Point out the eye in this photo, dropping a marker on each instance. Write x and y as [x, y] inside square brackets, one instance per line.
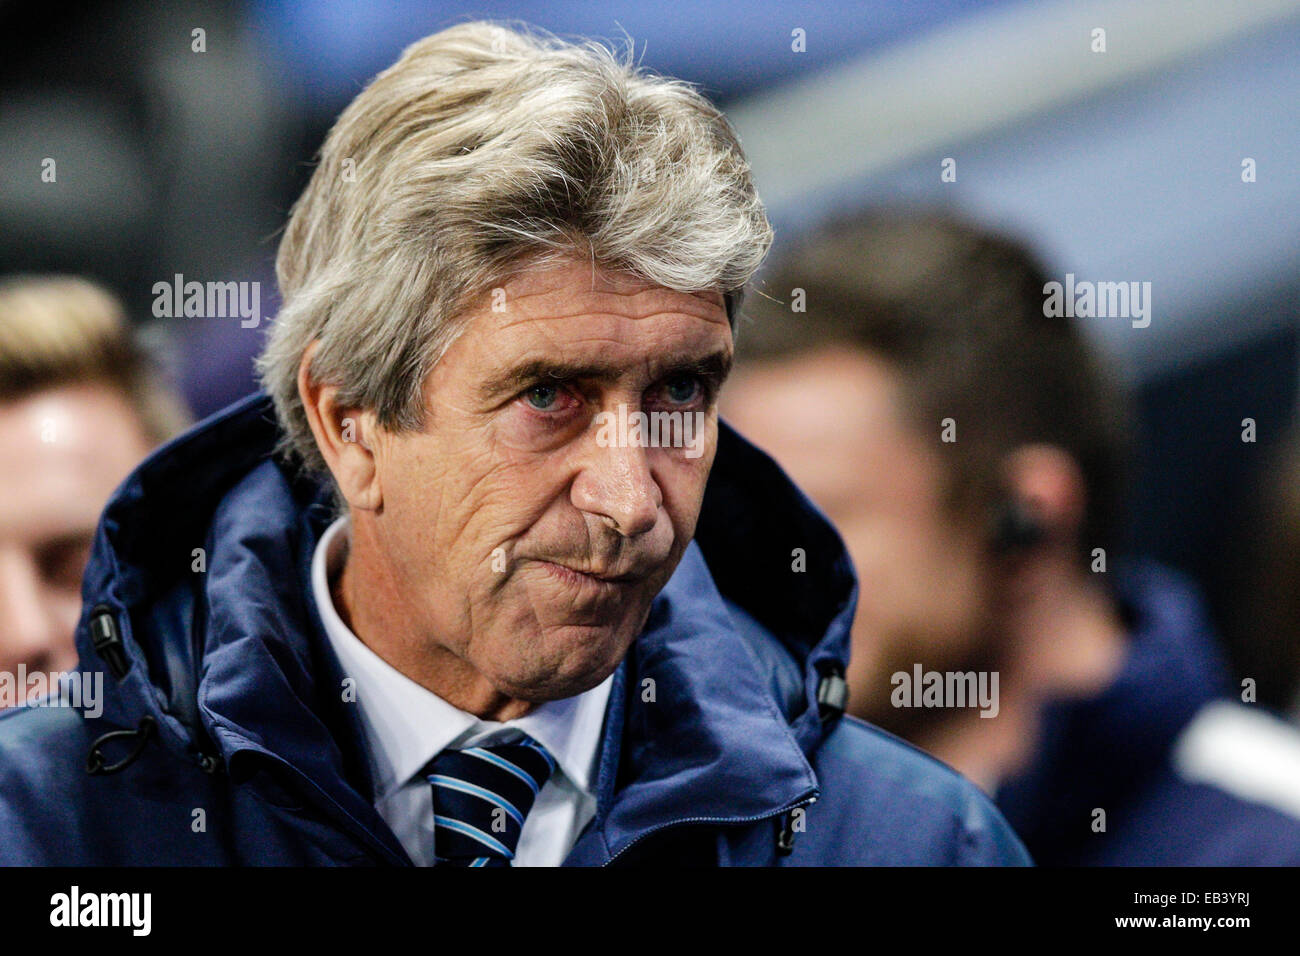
[682, 389]
[542, 397]
[62, 562]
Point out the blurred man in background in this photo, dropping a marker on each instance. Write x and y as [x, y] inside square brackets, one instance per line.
[79, 407]
[971, 450]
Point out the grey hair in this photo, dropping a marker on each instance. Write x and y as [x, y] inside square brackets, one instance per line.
[482, 151]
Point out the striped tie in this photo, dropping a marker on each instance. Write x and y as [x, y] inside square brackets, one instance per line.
[480, 798]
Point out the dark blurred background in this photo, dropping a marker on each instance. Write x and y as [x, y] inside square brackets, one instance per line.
[1116, 166]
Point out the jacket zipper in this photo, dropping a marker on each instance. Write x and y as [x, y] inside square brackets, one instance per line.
[808, 798]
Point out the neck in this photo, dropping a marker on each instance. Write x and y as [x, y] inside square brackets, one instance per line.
[1066, 641]
[984, 750]
[369, 602]
[1068, 636]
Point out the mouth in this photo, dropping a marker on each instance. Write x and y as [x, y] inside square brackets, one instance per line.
[591, 578]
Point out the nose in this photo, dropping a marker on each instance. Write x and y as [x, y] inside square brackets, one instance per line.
[29, 632]
[617, 485]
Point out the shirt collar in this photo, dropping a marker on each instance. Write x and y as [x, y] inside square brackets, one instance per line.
[407, 725]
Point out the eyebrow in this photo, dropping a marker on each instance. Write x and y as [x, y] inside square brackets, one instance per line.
[713, 368]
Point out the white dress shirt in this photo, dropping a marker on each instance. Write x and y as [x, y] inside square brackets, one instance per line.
[407, 725]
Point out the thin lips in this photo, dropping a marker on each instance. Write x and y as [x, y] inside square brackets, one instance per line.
[625, 578]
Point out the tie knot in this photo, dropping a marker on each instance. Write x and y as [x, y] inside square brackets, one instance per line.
[481, 796]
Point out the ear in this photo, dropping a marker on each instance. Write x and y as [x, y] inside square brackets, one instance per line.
[345, 436]
[1047, 482]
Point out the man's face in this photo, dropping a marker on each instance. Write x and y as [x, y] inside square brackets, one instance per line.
[831, 419]
[524, 542]
[65, 450]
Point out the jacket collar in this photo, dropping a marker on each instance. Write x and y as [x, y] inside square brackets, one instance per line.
[271, 686]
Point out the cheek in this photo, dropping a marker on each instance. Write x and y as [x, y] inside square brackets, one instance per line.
[67, 610]
[449, 498]
[885, 555]
[682, 481]
[951, 570]
[911, 568]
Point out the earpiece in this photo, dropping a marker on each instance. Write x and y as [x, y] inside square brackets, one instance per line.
[1016, 528]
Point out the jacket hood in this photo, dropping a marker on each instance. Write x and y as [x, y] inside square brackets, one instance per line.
[200, 576]
[1094, 752]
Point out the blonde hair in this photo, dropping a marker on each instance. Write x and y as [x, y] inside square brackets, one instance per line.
[482, 151]
[63, 330]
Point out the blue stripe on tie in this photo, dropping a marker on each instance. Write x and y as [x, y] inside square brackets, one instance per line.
[504, 764]
[474, 833]
[452, 783]
[532, 744]
[480, 861]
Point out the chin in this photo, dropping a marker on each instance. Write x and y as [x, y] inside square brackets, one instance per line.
[567, 660]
